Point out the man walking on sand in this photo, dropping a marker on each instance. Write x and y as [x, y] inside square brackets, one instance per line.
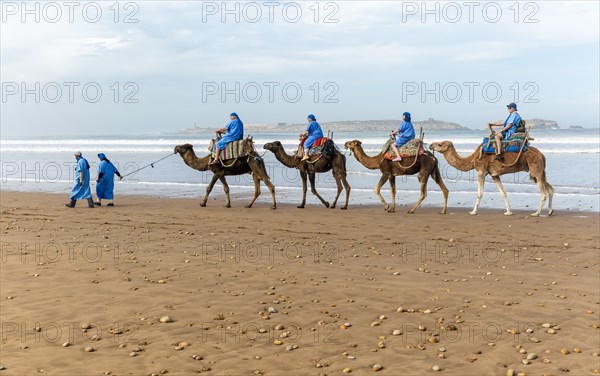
[81, 187]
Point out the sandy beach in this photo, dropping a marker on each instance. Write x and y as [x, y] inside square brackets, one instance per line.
[163, 286]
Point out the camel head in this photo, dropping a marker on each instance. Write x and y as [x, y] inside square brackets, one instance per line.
[441, 147]
[352, 144]
[182, 149]
[273, 146]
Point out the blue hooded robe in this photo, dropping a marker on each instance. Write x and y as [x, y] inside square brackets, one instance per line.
[81, 192]
[314, 133]
[235, 132]
[407, 131]
[106, 184]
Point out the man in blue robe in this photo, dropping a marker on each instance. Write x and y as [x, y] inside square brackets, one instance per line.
[508, 128]
[405, 132]
[313, 133]
[105, 183]
[234, 131]
[81, 186]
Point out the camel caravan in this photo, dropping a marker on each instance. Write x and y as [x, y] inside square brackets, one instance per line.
[503, 152]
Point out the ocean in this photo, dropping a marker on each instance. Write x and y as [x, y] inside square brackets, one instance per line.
[47, 165]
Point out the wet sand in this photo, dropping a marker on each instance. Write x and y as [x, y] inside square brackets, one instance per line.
[294, 292]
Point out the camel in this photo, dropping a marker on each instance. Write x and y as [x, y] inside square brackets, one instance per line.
[426, 165]
[531, 160]
[312, 166]
[243, 165]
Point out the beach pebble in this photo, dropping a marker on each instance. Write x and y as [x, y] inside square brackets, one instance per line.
[347, 370]
[86, 326]
[272, 310]
[382, 317]
[2, 368]
[510, 372]
[89, 349]
[436, 368]
[166, 319]
[526, 361]
[377, 367]
[396, 332]
[442, 349]
[133, 353]
[564, 351]
[577, 350]
[66, 344]
[531, 356]
[277, 342]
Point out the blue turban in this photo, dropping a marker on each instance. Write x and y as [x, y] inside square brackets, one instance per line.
[407, 116]
[101, 156]
[233, 114]
[311, 117]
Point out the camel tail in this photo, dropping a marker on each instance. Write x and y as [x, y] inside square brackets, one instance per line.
[436, 174]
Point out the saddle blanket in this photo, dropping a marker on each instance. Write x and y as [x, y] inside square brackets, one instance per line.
[511, 144]
[410, 149]
[315, 149]
[232, 150]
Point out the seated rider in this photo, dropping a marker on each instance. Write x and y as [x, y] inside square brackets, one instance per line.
[234, 131]
[508, 128]
[405, 132]
[313, 133]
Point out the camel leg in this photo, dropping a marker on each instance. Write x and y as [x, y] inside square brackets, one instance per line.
[256, 189]
[423, 178]
[445, 191]
[546, 190]
[550, 190]
[380, 184]
[210, 187]
[303, 177]
[311, 178]
[498, 182]
[480, 184]
[226, 190]
[338, 183]
[271, 187]
[392, 180]
[347, 188]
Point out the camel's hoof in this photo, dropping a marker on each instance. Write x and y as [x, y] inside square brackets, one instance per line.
[411, 212]
[535, 215]
[227, 206]
[273, 207]
[343, 207]
[203, 204]
[390, 210]
[300, 206]
[332, 207]
[247, 206]
[386, 207]
[472, 213]
[326, 204]
[443, 212]
[508, 213]
[550, 212]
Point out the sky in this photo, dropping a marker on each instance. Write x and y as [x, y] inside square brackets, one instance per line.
[141, 67]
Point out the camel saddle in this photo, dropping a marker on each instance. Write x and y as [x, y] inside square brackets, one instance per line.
[316, 148]
[410, 149]
[510, 144]
[232, 150]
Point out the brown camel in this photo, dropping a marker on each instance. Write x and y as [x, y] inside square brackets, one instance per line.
[243, 165]
[531, 160]
[312, 166]
[426, 165]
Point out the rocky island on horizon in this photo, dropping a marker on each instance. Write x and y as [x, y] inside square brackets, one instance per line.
[365, 125]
